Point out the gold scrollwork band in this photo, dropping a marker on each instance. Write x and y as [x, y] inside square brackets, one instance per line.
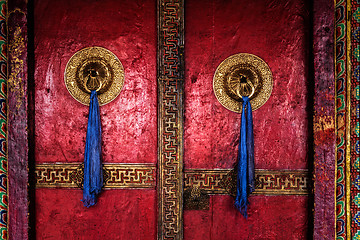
[71, 175]
[218, 181]
[268, 182]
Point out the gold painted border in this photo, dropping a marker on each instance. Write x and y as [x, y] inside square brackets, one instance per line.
[142, 176]
[170, 75]
[116, 176]
[273, 182]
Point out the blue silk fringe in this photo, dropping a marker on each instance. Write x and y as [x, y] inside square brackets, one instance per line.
[245, 167]
[93, 176]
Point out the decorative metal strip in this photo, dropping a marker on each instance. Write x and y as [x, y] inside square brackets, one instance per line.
[170, 118]
[3, 123]
[268, 182]
[289, 182]
[115, 175]
[211, 181]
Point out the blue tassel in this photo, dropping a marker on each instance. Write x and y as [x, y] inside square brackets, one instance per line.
[93, 176]
[245, 168]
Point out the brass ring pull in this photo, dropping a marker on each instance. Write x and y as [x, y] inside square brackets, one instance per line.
[239, 69]
[98, 89]
[90, 66]
[252, 90]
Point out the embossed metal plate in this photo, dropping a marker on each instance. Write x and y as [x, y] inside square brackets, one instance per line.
[94, 68]
[236, 76]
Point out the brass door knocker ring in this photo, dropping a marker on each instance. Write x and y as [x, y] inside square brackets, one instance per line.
[93, 80]
[241, 75]
[97, 90]
[252, 90]
[94, 69]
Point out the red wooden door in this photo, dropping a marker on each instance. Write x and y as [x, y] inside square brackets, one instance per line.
[279, 33]
[129, 126]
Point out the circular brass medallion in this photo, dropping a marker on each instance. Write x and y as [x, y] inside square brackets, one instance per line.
[240, 75]
[94, 68]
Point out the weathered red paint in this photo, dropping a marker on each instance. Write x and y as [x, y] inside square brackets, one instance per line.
[129, 126]
[119, 214]
[324, 120]
[279, 33]
[269, 218]
[18, 148]
[128, 29]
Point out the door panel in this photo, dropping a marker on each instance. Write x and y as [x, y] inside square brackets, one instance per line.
[278, 32]
[275, 31]
[279, 35]
[129, 126]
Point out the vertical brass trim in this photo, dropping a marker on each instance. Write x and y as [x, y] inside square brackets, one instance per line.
[170, 74]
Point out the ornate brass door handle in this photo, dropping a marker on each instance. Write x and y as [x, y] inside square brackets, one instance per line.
[239, 89]
[241, 75]
[94, 68]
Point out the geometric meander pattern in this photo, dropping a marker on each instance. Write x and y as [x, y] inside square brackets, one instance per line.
[170, 104]
[210, 181]
[354, 118]
[3, 123]
[115, 175]
[268, 182]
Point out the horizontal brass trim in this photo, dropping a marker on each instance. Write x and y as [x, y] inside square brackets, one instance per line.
[115, 175]
[210, 181]
[267, 182]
